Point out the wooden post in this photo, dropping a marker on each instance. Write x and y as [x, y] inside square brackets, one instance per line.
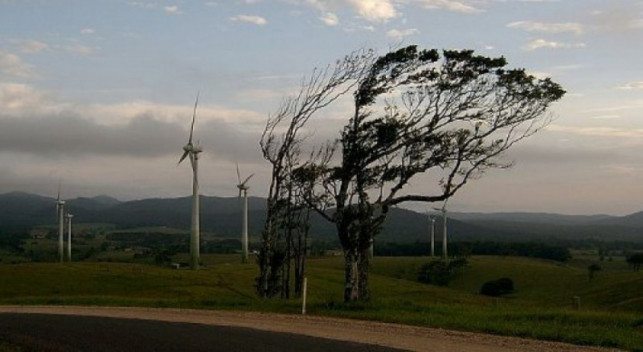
[303, 296]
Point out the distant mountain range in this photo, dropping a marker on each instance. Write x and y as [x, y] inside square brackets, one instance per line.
[222, 217]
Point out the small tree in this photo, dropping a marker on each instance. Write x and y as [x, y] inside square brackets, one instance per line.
[592, 269]
[281, 145]
[635, 261]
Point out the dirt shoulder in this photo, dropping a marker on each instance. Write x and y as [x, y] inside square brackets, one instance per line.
[392, 335]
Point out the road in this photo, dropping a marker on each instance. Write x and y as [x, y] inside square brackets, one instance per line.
[53, 333]
[58, 328]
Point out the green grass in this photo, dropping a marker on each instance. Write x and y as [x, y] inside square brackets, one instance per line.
[611, 312]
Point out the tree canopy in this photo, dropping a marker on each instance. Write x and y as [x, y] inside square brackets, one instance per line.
[449, 114]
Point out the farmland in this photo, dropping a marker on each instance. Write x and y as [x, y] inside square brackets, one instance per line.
[541, 306]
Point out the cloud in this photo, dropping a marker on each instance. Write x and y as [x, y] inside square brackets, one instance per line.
[374, 10]
[168, 9]
[143, 4]
[258, 20]
[87, 31]
[16, 99]
[609, 132]
[12, 65]
[542, 27]
[172, 10]
[616, 17]
[79, 49]
[370, 10]
[606, 117]
[69, 134]
[449, 5]
[329, 19]
[30, 46]
[542, 43]
[401, 33]
[632, 86]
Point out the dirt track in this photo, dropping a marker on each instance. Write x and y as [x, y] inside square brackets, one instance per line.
[382, 334]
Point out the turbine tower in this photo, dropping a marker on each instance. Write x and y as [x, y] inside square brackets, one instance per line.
[432, 219]
[69, 217]
[60, 210]
[243, 188]
[193, 151]
[443, 210]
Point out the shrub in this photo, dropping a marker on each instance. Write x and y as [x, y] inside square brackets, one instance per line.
[439, 272]
[498, 287]
[436, 272]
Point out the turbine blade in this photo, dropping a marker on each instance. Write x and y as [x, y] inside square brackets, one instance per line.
[183, 156]
[238, 174]
[196, 102]
[246, 180]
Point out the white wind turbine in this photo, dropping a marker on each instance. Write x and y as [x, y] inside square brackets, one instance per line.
[193, 151]
[69, 217]
[432, 221]
[243, 188]
[60, 210]
[443, 210]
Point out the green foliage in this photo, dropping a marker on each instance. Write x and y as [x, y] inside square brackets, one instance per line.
[635, 261]
[13, 241]
[440, 272]
[525, 249]
[497, 287]
[435, 273]
[592, 269]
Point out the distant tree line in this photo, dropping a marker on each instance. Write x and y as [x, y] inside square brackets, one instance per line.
[466, 248]
[635, 261]
[13, 241]
[601, 245]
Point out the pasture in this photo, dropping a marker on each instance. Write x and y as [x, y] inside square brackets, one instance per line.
[611, 312]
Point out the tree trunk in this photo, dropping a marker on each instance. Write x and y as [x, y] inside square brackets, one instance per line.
[363, 266]
[351, 276]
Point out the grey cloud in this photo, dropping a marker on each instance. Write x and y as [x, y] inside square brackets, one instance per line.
[560, 154]
[69, 134]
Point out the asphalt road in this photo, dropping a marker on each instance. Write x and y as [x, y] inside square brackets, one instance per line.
[54, 333]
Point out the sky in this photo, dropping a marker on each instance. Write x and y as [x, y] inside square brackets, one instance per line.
[99, 94]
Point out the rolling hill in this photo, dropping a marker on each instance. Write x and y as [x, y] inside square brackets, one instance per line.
[222, 217]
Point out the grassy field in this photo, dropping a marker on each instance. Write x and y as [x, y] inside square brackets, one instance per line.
[541, 307]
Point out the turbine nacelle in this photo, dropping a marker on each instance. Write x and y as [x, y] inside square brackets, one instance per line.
[191, 148]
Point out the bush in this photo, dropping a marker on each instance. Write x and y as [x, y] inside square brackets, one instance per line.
[439, 272]
[435, 273]
[498, 287]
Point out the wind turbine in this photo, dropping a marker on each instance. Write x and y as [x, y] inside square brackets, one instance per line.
[69, 217]
[443, 210]
[432, 220]
[243, 188]
[60, 209]
[193, 151]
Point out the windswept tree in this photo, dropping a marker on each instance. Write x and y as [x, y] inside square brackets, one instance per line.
[448, 115]
[281, 145]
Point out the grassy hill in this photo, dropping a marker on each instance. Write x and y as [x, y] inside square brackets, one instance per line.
[541, 306]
